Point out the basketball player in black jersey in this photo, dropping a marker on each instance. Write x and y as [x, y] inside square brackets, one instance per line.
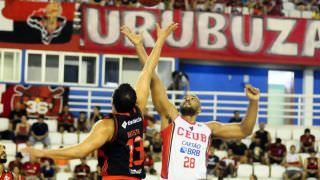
[119, 136]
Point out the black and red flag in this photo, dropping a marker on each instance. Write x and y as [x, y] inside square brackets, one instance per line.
[36, 22]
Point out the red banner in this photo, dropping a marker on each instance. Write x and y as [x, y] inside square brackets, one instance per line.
[36, 99]
[207, 36]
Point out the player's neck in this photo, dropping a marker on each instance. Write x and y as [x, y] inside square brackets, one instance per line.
[190, 119]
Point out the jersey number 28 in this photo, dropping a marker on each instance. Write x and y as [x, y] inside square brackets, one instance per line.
[189, 162]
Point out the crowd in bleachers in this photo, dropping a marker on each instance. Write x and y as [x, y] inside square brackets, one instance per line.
[282, 152]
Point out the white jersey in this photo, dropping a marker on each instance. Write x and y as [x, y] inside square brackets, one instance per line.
[292, 159]
[185, 150]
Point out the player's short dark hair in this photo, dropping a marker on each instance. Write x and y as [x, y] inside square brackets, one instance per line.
[307, 130]
[124, 98]
[278, 140]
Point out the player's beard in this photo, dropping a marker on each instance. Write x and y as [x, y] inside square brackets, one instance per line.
[3, 160]
[187, 111]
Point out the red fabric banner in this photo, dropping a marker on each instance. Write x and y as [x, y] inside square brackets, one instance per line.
[36, 99]
[206, 36]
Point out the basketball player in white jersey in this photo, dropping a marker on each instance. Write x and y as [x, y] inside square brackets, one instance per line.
[185, 141]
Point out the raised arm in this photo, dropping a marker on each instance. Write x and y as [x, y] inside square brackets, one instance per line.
[243, 129]
[159, 97]
[100, 134]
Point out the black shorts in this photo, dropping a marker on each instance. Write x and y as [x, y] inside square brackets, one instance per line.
[315, 175]
[274, 161]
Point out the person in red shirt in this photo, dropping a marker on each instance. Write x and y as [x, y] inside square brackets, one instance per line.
[312, 166]
[66, 120]
[17, 174]
[16, 163]
[276, 152]
[31, 169]
[82, 171]
[4, 175]
[307, 141]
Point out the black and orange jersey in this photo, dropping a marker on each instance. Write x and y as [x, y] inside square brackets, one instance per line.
[124, 155]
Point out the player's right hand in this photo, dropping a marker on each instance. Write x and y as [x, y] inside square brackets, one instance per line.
[163, 33]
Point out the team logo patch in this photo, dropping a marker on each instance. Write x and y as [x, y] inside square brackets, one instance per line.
[49, 21]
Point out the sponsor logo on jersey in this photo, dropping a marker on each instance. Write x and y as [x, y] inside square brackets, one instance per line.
[190, 148]
[190, 151]
[135, 171]
[131, 122]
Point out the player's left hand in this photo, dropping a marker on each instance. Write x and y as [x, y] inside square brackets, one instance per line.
[36, 153]
[252, 93]
[136, 39]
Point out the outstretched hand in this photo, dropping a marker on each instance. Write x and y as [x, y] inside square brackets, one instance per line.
[165, 32]
[136, 39]
[252, 92]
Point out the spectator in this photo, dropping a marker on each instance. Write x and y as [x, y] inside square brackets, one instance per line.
[40, 132]
[8, 134]
[17, 173]
[16, 114]
[240, 151]
[274, 7]
[96, 175]
[96, 115]
[226, 166]
[150, 130]
[219, 144]
[256, 153]
[82, 171]
[65, 120]
[47, 171]
[31, 169]
[148, 163]
[263, 136]
[157, 147]
[212, 161]
[307, 141]
[293, 164]
[236, 117]
[82, 122]
[16, 163]
[147, 118]
[276, 152]
[179, 4]
[312, 166]
[22, 130]
[180, 81]
[129, 3]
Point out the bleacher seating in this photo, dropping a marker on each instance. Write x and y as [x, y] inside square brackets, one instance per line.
[244, 171]
[10, 147]
[276, 172]
[70, 138]
[4, 124]
[64, 175]
[284, 133]
[73, 163]
[55, 138]
[261, 171]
